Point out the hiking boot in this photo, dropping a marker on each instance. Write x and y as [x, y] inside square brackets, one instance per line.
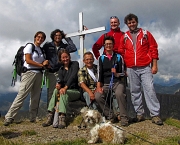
[157, 120]
[8, 121]
[112, 120]
[140, 118]
[62, 122]
[49, 121]
[118, 117]
[33, 120]
[124, 121]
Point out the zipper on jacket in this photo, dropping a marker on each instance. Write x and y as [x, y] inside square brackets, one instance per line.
[135, 49]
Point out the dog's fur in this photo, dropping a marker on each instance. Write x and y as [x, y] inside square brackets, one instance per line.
[100, 129]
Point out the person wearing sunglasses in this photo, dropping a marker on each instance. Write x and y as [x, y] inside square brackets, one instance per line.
[115, 32]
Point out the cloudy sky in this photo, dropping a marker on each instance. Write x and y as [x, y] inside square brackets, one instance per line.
[21, 19]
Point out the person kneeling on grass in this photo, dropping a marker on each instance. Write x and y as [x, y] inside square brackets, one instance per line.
[67, 87]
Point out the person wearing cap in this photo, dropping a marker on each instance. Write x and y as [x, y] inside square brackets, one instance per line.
[115, 32]
[51, 51]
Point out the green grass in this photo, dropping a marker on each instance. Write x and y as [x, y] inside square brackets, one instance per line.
[76, 120]
[131, 139]
[173, 122]
[4, 141]
[29, 132]
[170, 141]
[74, 142]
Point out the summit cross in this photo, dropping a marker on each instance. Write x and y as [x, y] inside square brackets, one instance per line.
[81, 33]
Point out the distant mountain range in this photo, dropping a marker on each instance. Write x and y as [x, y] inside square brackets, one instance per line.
[7, 99]
[167, 89]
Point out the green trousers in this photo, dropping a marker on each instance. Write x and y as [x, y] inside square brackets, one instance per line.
[71, 95]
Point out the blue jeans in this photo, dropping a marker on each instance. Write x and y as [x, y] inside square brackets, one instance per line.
[88, 101]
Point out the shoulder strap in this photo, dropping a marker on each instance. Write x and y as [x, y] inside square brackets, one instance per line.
[33, 49]
[118, 57]
[33, 46]
[102, 58]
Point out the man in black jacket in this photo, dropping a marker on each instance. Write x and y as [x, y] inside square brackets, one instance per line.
[51, 51]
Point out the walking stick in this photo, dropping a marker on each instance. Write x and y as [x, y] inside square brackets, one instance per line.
[109, 90]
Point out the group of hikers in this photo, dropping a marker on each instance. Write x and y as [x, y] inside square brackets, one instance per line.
[133, 54]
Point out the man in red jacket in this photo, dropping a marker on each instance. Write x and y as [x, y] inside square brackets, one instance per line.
[139, 50]
[115, 32]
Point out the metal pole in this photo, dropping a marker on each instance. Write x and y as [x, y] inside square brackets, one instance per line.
[81, 51]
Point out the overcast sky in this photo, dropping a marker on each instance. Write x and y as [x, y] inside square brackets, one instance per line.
[21, 19]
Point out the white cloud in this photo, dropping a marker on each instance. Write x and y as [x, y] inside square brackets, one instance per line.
[20, 20]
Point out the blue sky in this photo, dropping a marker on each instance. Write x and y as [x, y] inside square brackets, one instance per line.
[21, 19]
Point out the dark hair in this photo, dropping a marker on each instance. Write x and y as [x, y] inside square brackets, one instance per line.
[88, 53]
[129, 17]
[53, 33]
[40, 32]
[61, 52]
[108, 38]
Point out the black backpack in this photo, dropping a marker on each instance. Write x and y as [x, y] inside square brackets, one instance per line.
[19, 62]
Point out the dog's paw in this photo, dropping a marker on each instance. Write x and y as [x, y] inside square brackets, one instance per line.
[91, 141]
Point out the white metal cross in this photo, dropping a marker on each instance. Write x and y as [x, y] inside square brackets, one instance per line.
[81, 33]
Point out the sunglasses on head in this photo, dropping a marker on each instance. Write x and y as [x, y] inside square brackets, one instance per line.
[112, 17]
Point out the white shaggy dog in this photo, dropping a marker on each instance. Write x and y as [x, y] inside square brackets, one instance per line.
[101, 130]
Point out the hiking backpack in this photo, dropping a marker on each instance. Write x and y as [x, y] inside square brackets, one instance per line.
[19, 62]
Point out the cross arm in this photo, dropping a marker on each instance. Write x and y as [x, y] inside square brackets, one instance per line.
[86, 32]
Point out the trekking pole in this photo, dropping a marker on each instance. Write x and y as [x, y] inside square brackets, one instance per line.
[109, 90]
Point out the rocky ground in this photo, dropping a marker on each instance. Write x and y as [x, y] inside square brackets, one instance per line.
[16, 132]
[32, 133]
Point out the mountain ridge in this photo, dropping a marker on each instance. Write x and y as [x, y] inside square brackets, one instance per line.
[6, 99]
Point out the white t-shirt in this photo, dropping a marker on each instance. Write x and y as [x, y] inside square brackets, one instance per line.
[35, 57]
